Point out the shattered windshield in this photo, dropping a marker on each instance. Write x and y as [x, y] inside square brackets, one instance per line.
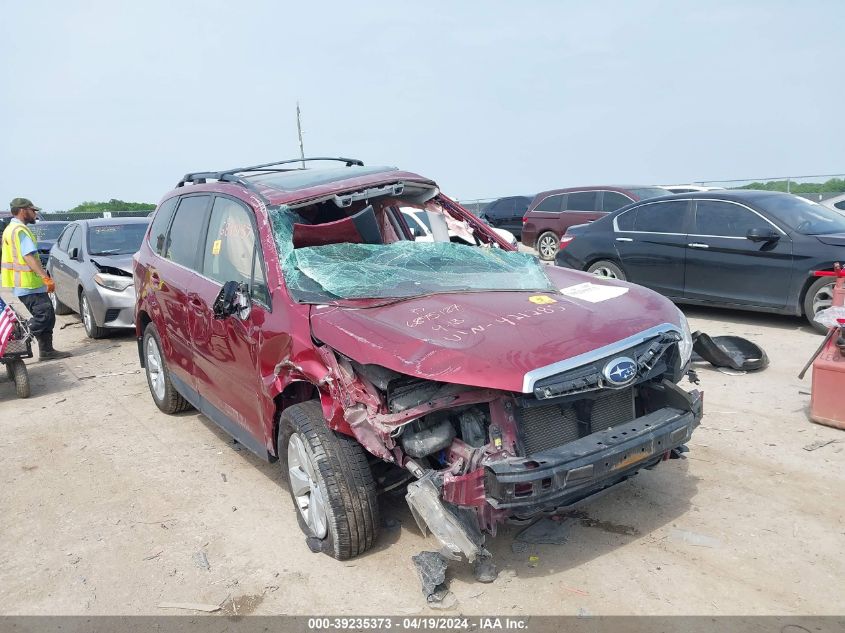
[335, 272]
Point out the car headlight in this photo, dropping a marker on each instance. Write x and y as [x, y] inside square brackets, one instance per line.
[113, 282]
[685, 344]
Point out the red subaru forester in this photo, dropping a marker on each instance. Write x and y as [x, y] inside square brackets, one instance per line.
[293, 308]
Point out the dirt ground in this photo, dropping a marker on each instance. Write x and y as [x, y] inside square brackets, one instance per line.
[111, 507]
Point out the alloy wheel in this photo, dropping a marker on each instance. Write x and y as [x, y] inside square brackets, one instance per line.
[155, 369]
[306, 487]
[547, 246]
[87, 319]
[605, 272]
[823, 298]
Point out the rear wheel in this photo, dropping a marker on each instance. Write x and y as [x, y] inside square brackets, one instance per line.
[158, 376]
[547, 245]
[58, 306]
[819, 296]
[329, 481]
[91, 328]
[606, 269]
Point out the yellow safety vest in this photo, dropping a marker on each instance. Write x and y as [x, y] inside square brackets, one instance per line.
[16, 273]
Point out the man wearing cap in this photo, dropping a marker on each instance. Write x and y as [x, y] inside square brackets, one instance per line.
[22, 271]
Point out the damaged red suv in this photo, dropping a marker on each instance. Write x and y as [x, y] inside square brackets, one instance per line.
[294, 309]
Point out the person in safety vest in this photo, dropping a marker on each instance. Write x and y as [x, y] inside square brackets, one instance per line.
[21, 270]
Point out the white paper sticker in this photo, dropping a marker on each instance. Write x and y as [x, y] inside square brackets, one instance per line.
[593, 293]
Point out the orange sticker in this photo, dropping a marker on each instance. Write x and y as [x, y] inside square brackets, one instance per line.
[541, 299]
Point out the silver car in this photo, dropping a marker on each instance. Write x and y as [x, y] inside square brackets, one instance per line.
[91, 264]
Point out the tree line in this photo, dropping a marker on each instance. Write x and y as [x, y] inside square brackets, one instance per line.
[111, 205]
[834, 185]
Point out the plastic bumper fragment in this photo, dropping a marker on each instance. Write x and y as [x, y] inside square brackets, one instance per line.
[455, 528]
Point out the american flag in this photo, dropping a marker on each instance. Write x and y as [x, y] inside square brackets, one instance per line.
[7, 324]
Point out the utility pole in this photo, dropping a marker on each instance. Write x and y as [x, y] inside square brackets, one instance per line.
[299, 131]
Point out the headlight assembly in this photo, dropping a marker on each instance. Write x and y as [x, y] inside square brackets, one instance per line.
[685, 344]
[113, 282]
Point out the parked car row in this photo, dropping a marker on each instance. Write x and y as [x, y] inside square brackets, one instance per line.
[754, 250]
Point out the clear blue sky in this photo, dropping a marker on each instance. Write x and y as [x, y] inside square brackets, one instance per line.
[103, 100]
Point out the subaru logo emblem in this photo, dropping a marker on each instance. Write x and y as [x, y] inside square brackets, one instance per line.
[620, 371]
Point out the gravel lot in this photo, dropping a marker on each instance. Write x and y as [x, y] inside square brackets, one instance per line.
[111, 507]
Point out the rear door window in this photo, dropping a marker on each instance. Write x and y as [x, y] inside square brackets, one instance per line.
[182, 245]
[725, 219]
[662, 217]
[158, 231]
[552, 204]
[582, 201]
[613, 200]
[231, 250]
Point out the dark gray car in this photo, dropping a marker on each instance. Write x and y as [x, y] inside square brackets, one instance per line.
[91, 264]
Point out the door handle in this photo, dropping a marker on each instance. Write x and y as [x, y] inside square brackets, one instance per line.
[624, 239]
[697, 245]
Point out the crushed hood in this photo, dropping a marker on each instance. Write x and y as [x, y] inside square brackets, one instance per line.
[122, 263]
[493, 339]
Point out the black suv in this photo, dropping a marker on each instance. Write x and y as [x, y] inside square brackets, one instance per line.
[506, 213]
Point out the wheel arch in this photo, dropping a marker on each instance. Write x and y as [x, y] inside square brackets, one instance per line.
[805, 286]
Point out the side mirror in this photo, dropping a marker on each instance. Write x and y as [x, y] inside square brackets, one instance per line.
[762, 235]
[232, 300]
[74, 253]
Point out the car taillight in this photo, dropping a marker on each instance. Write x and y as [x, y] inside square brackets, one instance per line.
[564, 241]
[524, 219]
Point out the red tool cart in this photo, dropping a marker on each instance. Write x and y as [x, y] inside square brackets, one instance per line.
[827, 400]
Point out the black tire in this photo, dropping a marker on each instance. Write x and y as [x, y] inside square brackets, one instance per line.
[59, 307]
[817, 298]
[20, 375]
[547, 245]
[91, 328]
[344, 478]
[167, 399]
[607, 270]
[10, 372]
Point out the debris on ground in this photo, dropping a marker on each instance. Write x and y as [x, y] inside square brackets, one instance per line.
[201, 560]
[693, 538]
[484, 569]
[190, 606]
[733, 352]
[546, 531]
[819, 444]
[431, 569]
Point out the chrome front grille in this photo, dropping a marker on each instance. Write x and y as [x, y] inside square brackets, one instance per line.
[550, 426]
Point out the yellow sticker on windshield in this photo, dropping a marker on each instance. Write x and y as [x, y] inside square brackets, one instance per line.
[541, 299]
[215, 247]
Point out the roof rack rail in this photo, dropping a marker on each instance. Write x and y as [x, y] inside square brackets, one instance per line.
[229, 175]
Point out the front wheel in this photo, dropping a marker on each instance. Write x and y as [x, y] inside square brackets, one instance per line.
[329, 481]
[607, 270]
[819, 296]
[547, 245]
[91, 328]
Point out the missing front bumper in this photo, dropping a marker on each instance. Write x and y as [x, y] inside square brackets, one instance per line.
[569, 473]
